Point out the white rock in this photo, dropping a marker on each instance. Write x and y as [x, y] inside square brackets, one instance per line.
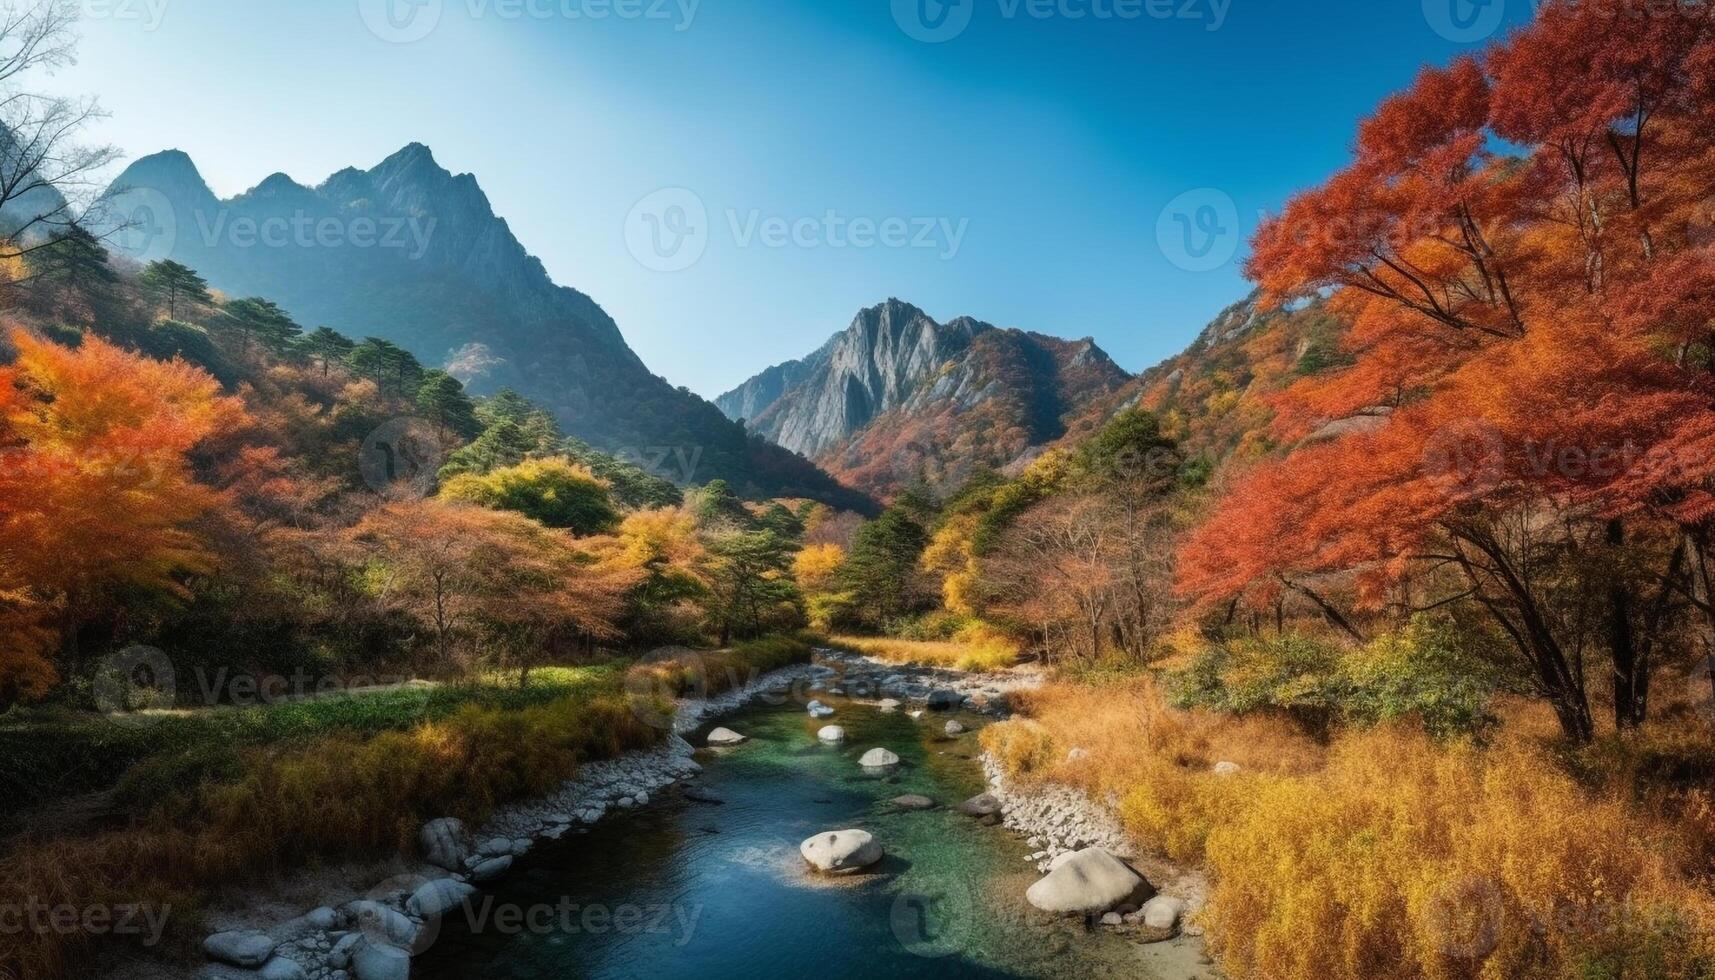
[1162, 912]
[832, 733]
[841, 851]
[437, 898]
[340, 956]
[641, 799]
[1076, 754]
[242, 948]
[384, 923]
[443, 843]
[954, 728]
[1113, 919]
[322, 918]
[819, 710]
[371, 960]
[724, 736]
[888, 704]
[495, 847]
[1090, 881]
[1226, 768]
[492, 868]
[878, 759]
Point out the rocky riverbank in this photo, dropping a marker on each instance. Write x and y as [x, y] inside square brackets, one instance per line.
[368, 921]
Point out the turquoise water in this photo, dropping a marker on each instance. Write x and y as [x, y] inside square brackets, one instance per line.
[688, 889]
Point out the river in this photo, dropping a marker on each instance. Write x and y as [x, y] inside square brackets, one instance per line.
[683, 888]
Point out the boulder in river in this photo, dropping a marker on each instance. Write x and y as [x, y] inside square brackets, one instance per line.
[832, 733]
[945, 700]
[248, 949]
[981, 805]
[841, 851]
[878, 759]
[724, 736]
[913, 801]
[492, 868]
[443, 843]
[1088, 882]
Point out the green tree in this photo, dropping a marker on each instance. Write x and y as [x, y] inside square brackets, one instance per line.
[554, 492]
[749, 581]
[880, 571]
[173, 283]
[327, 345]
[442, 399]
[717, 506]
[782, 522]
[387, 364]
[264, 320]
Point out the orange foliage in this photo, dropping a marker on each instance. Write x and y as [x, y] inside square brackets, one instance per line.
[97, 489]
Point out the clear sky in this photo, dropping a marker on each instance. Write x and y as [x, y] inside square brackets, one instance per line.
[1030, 168]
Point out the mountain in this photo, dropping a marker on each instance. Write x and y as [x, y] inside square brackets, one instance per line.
[412, 253]
[1218, 397]
[898, 396]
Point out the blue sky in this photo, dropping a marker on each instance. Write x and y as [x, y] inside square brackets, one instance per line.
[1075, 167]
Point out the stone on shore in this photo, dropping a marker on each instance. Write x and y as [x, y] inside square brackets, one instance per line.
[725, 736]
[981, 805]
[1226, 768]
[841, 851]
[1090, 881]
[878, 759]
[492, 868]
[281, 968]
[954, 728]
[371, 960]
[945, 700]
[1162, 912]
[248, 949]
[383, 923]
[888, 704]
[437, 898]
[443, 843]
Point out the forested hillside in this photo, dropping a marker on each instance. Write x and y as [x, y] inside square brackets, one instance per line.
[408, 252]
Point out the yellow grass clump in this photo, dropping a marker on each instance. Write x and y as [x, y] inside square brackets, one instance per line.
[978, 651]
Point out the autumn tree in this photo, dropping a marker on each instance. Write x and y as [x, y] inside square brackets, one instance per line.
[555, 492]
[98, 494]
[1532, 322]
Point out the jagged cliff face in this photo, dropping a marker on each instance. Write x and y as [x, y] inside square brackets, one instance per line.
[412, 253]
[898, 397]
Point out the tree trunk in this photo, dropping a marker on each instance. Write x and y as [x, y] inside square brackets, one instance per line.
[1630, 672]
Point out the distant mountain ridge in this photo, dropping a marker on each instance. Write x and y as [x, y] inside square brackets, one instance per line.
[897, 397]
[412, 253]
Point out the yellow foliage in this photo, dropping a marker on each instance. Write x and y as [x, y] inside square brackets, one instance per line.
[814, 567]
[978, 650]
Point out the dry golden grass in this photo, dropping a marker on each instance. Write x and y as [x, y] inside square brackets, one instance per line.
[1388, 854]
[981, 654]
